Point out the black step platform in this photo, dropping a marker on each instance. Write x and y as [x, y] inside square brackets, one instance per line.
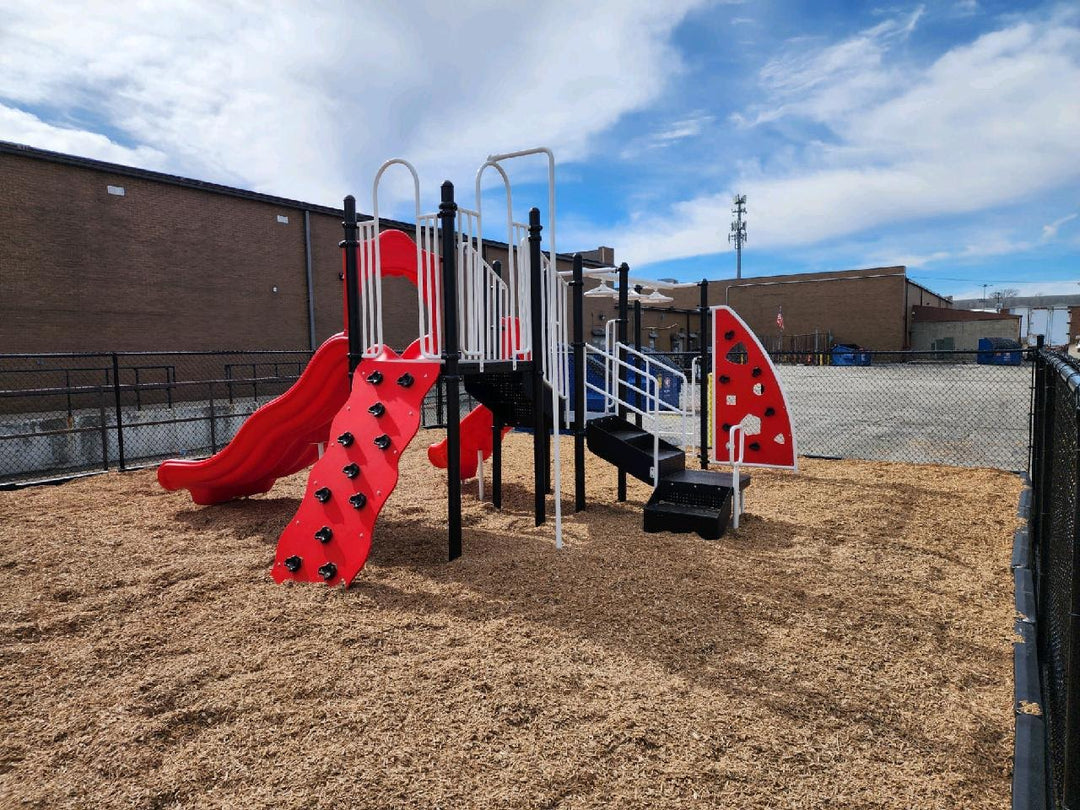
[692, 501]
[631, 449]
[507, 392]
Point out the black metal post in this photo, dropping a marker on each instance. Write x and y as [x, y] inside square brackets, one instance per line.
[624, 291]
[352, 285]
[119, 411]
[638, 364]
[703, 373]
[578, 288]
[451, 355]
[496, 463]
[104, 430]
[537, 336]
[1071, 786]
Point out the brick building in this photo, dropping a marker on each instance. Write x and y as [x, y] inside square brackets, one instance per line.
[100, 257]
[96, 256]
[871, 307]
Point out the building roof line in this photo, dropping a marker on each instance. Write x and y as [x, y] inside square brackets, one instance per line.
[23, 150]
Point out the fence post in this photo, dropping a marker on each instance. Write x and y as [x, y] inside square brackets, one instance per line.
[104, 429]
[213, 428]
[119, 412]
[1071, 769]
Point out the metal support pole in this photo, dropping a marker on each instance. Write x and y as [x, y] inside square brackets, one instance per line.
[624, 290]
[352, 286]
[641, 383]
[119, 411]
[451, 355]
[496, 463]
[540, 463]
[578, 288]
[703, 370]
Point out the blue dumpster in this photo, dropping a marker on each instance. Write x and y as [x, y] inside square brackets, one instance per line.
[846, 354]
[997, 351]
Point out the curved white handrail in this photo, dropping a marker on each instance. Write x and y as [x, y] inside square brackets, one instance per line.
[372, 277]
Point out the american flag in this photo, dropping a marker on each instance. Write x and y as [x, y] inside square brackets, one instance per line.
[780, 318]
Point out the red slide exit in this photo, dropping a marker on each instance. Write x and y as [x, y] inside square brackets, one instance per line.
[279, 439]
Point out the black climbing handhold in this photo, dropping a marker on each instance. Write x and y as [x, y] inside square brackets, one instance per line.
[322, 495]
[724, 379]
[770, 411]
[328, 571]
[378, 409]
[358, 500]
[756, 372]
[374, 377]
[292, 563]
[382, 442]
[405, 380]
[351, 470]
[725, 427]
[729, 334]
[325, 534]
[346, 439]
[755, 446]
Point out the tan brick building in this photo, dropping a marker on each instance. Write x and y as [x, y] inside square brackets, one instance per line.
[100, 257]
[870, 307]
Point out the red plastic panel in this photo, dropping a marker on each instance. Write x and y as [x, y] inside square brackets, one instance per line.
[476, 436]
[397, 257]
[746, 391]
[277, 440]
[329, 538]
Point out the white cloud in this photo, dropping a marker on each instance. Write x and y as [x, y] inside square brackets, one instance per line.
[987, 124]
[22, 127]
[307, 99]
[1050, 231]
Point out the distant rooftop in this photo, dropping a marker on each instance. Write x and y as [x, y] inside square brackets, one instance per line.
[1020, 301]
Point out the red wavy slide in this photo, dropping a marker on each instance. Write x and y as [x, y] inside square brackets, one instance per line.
[475, 437]
[279, 439]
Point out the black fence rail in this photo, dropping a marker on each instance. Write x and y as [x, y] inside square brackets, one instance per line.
[65, 414]
[1055, 533]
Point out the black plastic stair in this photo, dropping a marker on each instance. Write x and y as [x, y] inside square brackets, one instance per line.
[631, 449]
[507, 392]
[692, 501]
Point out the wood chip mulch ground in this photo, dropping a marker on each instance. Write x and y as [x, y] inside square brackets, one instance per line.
[848, 646]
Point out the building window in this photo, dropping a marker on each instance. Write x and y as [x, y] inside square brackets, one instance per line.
[116, 191]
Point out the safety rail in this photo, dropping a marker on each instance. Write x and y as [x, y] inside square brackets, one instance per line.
[613, 398]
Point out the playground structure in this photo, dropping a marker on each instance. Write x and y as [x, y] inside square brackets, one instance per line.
[502, 334]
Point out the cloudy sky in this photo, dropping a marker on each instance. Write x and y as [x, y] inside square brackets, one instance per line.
[943, 136]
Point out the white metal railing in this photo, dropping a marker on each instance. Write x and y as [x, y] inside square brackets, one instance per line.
[485, 301]
[429, 287]
[646, 385]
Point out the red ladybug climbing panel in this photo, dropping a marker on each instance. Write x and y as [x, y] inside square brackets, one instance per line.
[329, 538]
[746, 392]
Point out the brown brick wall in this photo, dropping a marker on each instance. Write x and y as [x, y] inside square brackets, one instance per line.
[866, 307]
[162, 267]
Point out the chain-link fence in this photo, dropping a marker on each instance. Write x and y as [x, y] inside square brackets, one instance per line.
[64, 414]
[915, 407]
[1055, 531]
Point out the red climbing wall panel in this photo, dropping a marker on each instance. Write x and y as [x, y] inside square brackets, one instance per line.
[746, 391]
[329, 538]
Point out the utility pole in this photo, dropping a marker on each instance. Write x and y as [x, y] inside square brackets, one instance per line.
[984, 294]
[738, 231]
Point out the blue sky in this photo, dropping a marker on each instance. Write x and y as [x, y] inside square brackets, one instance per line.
[943, 136]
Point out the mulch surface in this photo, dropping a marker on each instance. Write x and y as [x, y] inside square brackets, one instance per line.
[848, 646]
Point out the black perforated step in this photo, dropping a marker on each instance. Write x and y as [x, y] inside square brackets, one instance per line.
[630, 448]
[507, 392]
[692, 501]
